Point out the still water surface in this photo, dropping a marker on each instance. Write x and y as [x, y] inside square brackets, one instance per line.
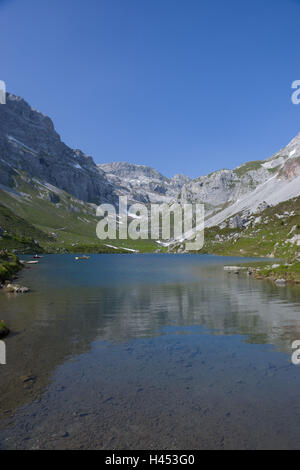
[148, 352]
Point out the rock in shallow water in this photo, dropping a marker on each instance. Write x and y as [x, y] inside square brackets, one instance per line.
[14, 288]
[280, 282]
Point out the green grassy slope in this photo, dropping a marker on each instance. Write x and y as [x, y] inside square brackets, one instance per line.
[269, 233]
[19, 234]
[57, 221]
[9, 266]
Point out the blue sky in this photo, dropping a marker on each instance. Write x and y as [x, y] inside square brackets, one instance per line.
[185, 86]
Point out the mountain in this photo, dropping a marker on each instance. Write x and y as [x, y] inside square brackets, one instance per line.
[30, 144]
[250, 186]
[51, 191]
[143, 183]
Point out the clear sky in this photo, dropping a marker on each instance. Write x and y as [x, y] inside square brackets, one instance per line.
[185, 86]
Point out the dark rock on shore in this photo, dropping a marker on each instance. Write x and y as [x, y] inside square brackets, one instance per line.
[4, 331]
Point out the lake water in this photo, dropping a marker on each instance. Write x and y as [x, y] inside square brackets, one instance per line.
[148, 352]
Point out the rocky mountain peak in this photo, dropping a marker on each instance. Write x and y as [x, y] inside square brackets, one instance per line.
[29, 143]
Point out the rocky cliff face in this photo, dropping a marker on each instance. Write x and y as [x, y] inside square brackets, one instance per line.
[223, 186]
[143, 183]
[29, 143]
[226, 192]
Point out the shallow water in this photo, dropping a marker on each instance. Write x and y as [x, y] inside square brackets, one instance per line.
[148, 352]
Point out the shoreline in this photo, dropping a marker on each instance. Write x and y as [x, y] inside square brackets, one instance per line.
[10, 265]
[281, 274]
[278, 273]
